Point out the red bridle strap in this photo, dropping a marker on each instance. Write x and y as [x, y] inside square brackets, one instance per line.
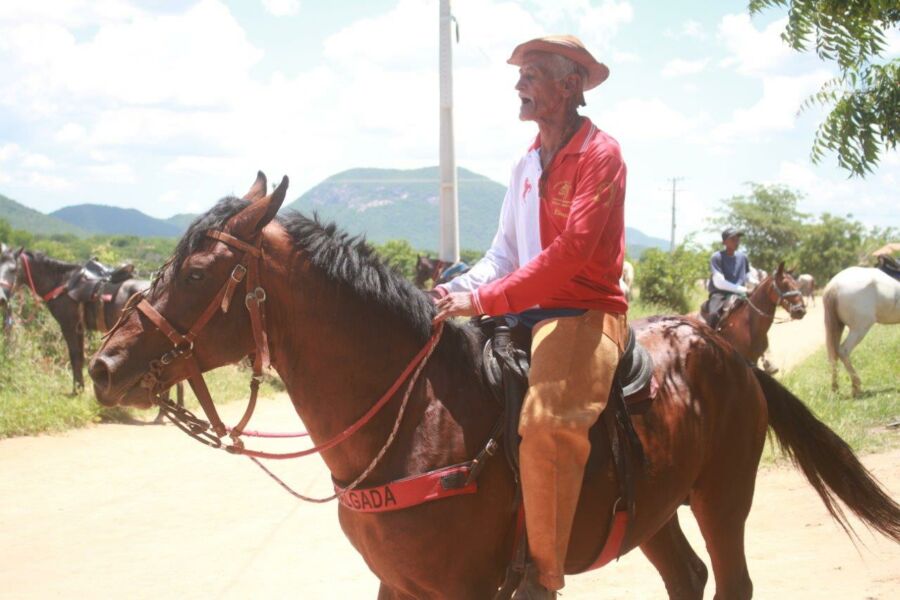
[52, 294]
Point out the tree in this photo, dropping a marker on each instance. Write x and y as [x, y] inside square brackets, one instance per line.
[667, 279]
[770, 221]
[828, 246]
[400, 255]
[865, 118]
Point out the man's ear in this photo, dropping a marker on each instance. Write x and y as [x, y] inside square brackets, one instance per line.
[249, 222]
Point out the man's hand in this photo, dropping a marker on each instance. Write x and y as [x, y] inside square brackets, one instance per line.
[457, 304]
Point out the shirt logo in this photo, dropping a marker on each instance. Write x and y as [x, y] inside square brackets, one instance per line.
[526, 188]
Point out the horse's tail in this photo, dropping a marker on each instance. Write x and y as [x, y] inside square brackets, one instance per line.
[834, 327]
[828, 462]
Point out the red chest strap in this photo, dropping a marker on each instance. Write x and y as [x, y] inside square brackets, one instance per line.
[411, 491]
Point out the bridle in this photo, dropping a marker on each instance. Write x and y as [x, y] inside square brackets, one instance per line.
[52, 294]
[783, 296]
[183, 344]
[210, 432]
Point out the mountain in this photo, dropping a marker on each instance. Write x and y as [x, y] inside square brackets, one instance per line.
[98, 218]
[21, 217]
[386, 204]
[182, 220]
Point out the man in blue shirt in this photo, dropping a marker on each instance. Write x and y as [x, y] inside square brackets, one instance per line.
[729, 269]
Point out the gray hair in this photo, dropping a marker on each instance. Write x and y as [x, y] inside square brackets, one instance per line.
[560, 66]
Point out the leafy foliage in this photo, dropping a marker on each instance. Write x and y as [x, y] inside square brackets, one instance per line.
[865, 118]
[667, 279]
[828, 246]
[769, 218]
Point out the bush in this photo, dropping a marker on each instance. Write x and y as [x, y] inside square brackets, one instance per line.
[667, 279]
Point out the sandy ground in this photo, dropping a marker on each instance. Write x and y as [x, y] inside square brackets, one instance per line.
[792, 341]
[144, 512]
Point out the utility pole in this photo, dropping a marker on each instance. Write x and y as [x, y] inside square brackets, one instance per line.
[675, 180]
[449, 201]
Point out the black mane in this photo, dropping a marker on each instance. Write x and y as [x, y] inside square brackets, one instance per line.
[344, 259]
[55, 267]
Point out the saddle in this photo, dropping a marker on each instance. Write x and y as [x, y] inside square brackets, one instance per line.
[97, 281]
[732, 301]
[506, 365]
[889, 265]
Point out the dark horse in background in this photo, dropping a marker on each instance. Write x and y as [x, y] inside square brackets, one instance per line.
[746, 322]
[436, 270]
[55, 283]
[342, 326]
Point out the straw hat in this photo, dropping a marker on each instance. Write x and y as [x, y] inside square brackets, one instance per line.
[568, 46]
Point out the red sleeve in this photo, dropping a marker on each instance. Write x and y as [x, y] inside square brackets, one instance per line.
[598, 189]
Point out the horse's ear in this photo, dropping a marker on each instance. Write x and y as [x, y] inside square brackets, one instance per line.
[780, 271]
[19, 252]
[250, 221]
[258, 189]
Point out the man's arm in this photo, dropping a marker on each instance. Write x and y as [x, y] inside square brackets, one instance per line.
[600, 189]
[719, 281]
[500, 259]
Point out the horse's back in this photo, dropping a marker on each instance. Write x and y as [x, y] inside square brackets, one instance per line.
[863, 294]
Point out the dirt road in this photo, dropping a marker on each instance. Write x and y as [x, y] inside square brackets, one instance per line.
[118, 511]
[792, 341]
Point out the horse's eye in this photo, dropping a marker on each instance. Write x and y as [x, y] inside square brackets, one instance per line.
[195, 276]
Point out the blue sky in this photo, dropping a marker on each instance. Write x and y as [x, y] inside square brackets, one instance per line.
[166, 106]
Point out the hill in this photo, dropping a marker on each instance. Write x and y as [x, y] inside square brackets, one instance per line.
[387, 204]
[98, 218]
[21, 217]
[182, 220]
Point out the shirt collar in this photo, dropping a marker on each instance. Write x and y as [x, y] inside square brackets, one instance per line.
[578, 142]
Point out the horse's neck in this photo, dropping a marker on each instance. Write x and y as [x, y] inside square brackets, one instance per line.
[47, 276]
[337, 357]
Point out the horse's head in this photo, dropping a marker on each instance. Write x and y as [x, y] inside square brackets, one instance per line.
[425, 270]
[187, 320]
[785, 291]
[9, 268]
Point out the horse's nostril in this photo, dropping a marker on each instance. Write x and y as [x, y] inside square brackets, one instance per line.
[99, 372]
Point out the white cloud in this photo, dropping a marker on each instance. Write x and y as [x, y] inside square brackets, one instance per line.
[751, 51]
[282, 8]
[688, 29]
[110, 173]
[46, 181]
[678, 67]
[639, 119]
[775, 111]
[621, 57]
[37, 161]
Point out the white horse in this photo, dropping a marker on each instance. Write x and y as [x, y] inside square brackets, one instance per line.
[857, 297]
[626, 281]
[807, 285]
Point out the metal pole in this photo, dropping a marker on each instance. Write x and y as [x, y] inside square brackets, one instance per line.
[672, 240]
[449, 239]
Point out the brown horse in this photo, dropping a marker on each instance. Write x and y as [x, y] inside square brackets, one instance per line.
[747, 325]
[341, 327]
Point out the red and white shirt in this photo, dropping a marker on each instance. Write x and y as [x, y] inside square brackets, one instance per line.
[561, 238]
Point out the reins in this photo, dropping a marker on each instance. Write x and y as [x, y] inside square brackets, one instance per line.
[212, 431]
[51, 295]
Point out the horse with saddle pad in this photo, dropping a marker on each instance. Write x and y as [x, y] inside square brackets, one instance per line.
[406, 414]
[81, 298]
[745, 321]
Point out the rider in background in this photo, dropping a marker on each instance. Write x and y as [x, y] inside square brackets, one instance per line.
[729, 274]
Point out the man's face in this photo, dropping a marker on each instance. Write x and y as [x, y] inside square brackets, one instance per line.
[541, 95]
[733, 242]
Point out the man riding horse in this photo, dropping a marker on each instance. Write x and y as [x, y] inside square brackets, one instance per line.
[729, 274]
[556, 260]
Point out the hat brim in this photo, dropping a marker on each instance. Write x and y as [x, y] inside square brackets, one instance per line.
[597, 72]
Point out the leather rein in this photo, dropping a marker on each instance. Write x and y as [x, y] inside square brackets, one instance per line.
[212, 431]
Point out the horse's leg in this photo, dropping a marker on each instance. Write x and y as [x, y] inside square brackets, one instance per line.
[854, 337]
[67, 316]
[682, 571]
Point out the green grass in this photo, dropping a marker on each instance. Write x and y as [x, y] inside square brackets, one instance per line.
[36, 381]
[861, 422]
